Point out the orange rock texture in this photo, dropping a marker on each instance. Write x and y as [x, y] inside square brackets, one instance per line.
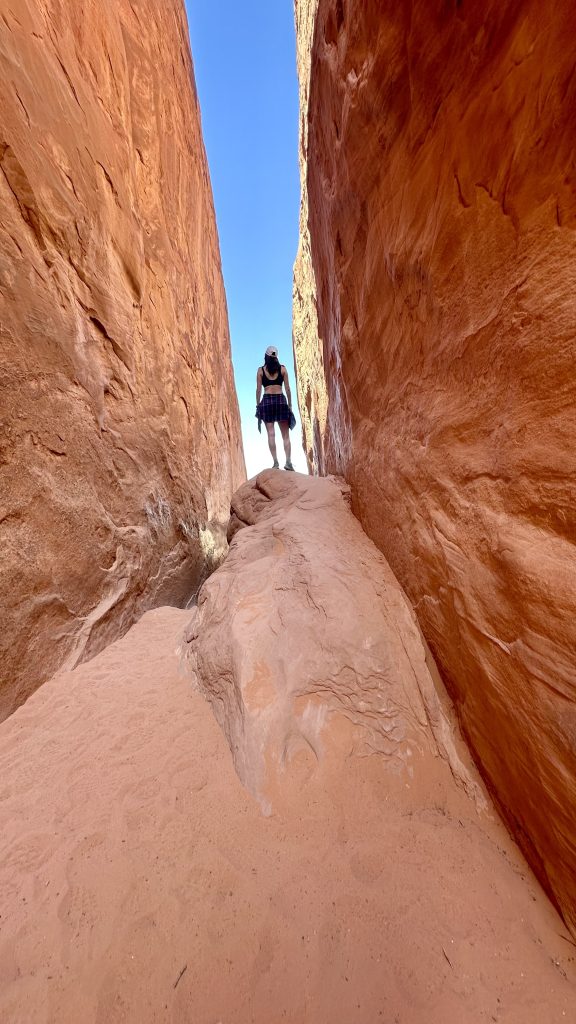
[120, 438]
[434, 332]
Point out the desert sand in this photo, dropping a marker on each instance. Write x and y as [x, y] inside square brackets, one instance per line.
[142, 882]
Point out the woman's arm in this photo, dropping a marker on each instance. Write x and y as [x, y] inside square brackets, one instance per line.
[258, 386]
[287, 386]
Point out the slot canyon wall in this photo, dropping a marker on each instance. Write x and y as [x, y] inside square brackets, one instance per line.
[434, 331]
[119, 426]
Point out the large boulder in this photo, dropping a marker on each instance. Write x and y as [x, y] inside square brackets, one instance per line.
[303, 640]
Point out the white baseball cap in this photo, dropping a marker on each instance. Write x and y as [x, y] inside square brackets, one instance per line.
[271, 351]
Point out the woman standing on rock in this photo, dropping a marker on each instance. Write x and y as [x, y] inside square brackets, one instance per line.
[274, 408]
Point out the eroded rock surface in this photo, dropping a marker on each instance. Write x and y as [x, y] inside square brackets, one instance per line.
[140, 881]
[434, 334]
[304, 626]
[119, 428]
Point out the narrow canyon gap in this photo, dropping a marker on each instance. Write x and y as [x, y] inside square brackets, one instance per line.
[261, 808]
[434, 311]
[120, 436]
[244, 58]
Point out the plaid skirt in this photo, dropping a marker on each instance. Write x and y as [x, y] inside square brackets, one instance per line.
[273, 409]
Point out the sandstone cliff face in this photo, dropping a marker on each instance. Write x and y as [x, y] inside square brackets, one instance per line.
[439, 258]
[120, 437]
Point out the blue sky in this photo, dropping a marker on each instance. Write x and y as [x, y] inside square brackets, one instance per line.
[245, 64]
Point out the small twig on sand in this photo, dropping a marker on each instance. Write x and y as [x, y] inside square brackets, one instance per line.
[185, 968]
[446, 957]
[566, 939]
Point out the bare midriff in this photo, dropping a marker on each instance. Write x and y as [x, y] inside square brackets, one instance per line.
[275, 389]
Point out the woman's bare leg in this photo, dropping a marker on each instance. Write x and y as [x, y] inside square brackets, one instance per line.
[285, 431]
[271, 440]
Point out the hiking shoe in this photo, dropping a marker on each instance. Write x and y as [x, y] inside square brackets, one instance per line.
[289, 466]
[275, 464]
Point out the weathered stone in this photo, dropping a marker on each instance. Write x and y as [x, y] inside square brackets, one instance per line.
[120, 437]
[434, 335]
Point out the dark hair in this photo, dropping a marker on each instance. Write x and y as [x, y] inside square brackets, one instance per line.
[272, 364]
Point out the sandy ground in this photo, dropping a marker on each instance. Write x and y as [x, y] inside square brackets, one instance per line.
[140, 882]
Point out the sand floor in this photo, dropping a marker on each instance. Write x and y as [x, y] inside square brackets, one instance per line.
[140, 882]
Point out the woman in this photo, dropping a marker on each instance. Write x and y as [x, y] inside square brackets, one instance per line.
[274, 408]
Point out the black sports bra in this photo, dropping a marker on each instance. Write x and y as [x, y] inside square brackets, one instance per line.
[268, 383]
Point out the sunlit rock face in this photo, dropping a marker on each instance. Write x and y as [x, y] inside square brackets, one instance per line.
[434, 334]
[120, 438]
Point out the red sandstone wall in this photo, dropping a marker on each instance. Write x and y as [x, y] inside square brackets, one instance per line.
[439, 258]
[119, 428]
